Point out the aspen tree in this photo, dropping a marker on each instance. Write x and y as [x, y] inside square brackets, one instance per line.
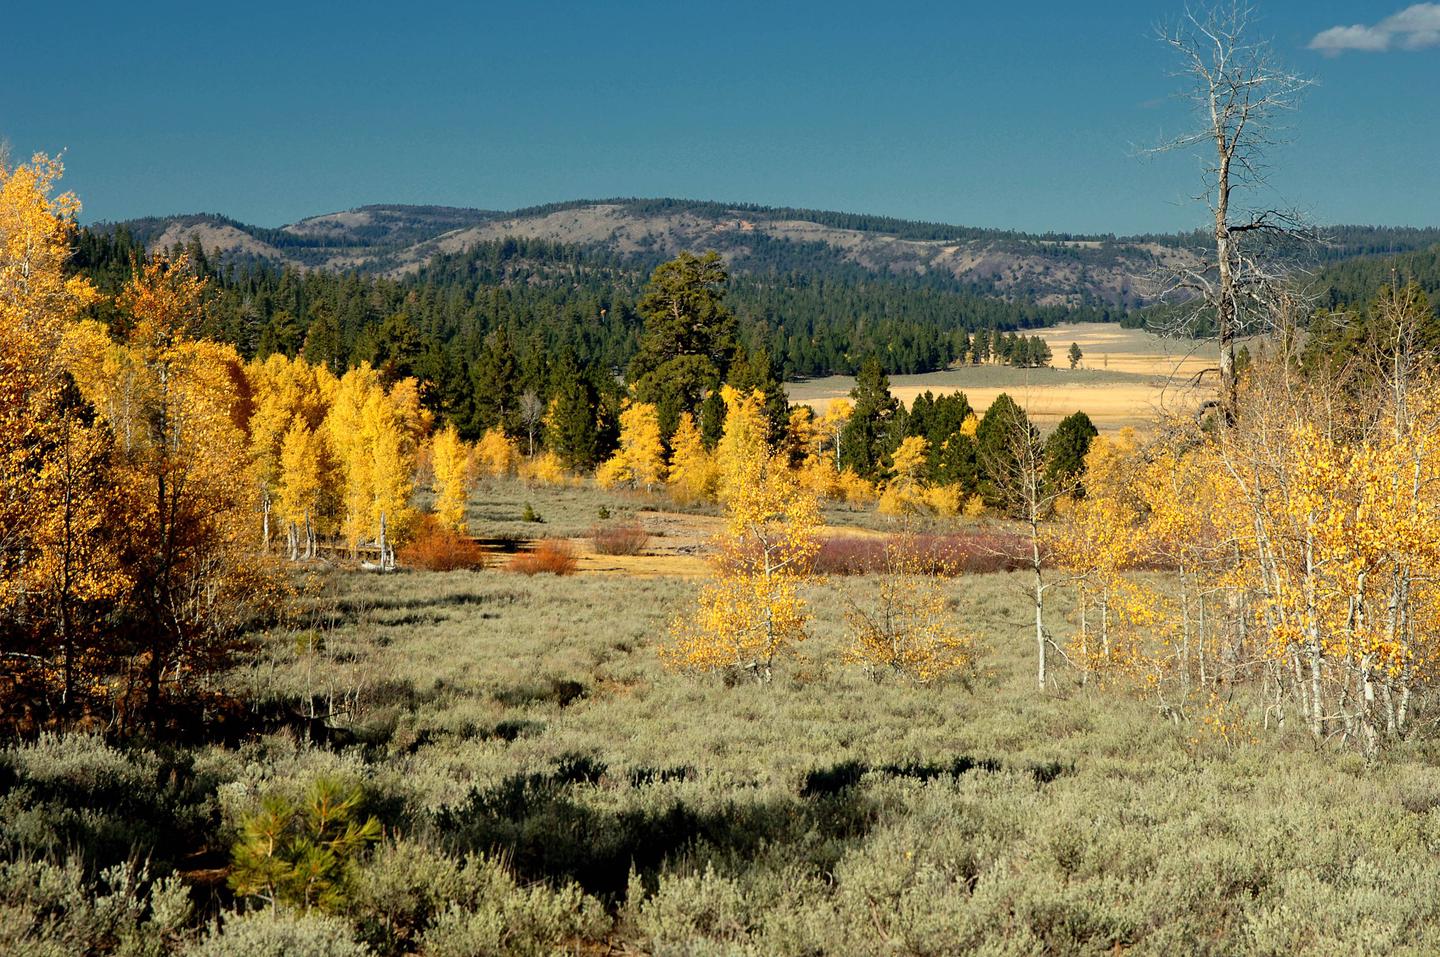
[185, 473]
[908, 629]
[299, 489]
[692, 475]
[452, 466]
[496, 454]
[640, 460]
[751, 612]
[905, 493]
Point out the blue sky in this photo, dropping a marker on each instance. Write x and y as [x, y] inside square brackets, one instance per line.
[1026, 114]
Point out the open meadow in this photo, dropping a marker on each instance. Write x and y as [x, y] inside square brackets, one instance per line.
[1127, 378]
[522, 577]
[546, 786]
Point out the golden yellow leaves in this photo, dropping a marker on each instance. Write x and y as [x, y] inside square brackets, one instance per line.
[909, 629]
[640, 460]
[451, 463]
[905, 492]
[752, 610]
[693, 474]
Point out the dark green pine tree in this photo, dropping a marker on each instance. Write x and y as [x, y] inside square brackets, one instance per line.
[1075, 355]
[712, 419]
[689, 337]
[396, 348]
[572, 427]
[922, 412]
[1040, 354]
[952, 453]
[1066, 448]
[864, 443]
[1002, 426]
[281, 334]
[495, 384]
[755, 370]
[323, 345]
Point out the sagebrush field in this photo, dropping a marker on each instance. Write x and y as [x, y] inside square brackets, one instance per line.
[544, 785]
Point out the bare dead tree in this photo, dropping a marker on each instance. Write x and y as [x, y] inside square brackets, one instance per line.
[1239, 92]
[532, 417]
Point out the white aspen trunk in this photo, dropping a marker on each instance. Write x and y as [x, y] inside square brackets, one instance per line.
[1225, 312]
[1105, 623]
[1369, 737]
[1039, 629]
[1039, 585]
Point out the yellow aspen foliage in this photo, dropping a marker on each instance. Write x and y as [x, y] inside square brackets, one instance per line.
[1101, 539]
[59, 565]
[974, 507]
[297, 494]
[832, 424]
[970, 426]
[818, 474]
[496, 455]
[743, 451]
[946, 501]
[392, 469]
[451, 462]
[692, 475]
[412, 418]
[751, 612]
[905, 492]
[640, 460]
[544, 469]
[282, 390]
[371, 435]
[344, 431]
[857, 491]
[184, 471]
[37, 302]
[804, 435]
[908, 629]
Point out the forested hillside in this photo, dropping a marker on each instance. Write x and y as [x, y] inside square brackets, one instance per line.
[547, 302]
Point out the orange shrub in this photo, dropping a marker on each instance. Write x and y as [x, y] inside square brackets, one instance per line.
[440, 549]
[550, 557]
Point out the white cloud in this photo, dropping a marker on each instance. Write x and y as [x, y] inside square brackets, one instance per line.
[1414, 28]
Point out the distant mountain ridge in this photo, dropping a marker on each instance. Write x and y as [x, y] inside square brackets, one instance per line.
[1050, 269]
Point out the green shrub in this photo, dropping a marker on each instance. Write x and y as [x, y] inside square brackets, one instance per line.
[497, 916]
[275, 932]
[394, 895]
[51, 909]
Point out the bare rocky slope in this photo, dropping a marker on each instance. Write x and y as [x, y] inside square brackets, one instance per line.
[394, 240]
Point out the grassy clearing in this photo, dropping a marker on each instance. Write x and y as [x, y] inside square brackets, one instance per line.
[527, 720]
[1125, 379]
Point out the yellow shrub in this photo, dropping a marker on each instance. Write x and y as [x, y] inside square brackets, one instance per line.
[496, 455]
[544, 469]
[856, 490]
[946, 501]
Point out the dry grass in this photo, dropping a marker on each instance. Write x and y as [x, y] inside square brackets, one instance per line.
[529, 718]
[1127, 378]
